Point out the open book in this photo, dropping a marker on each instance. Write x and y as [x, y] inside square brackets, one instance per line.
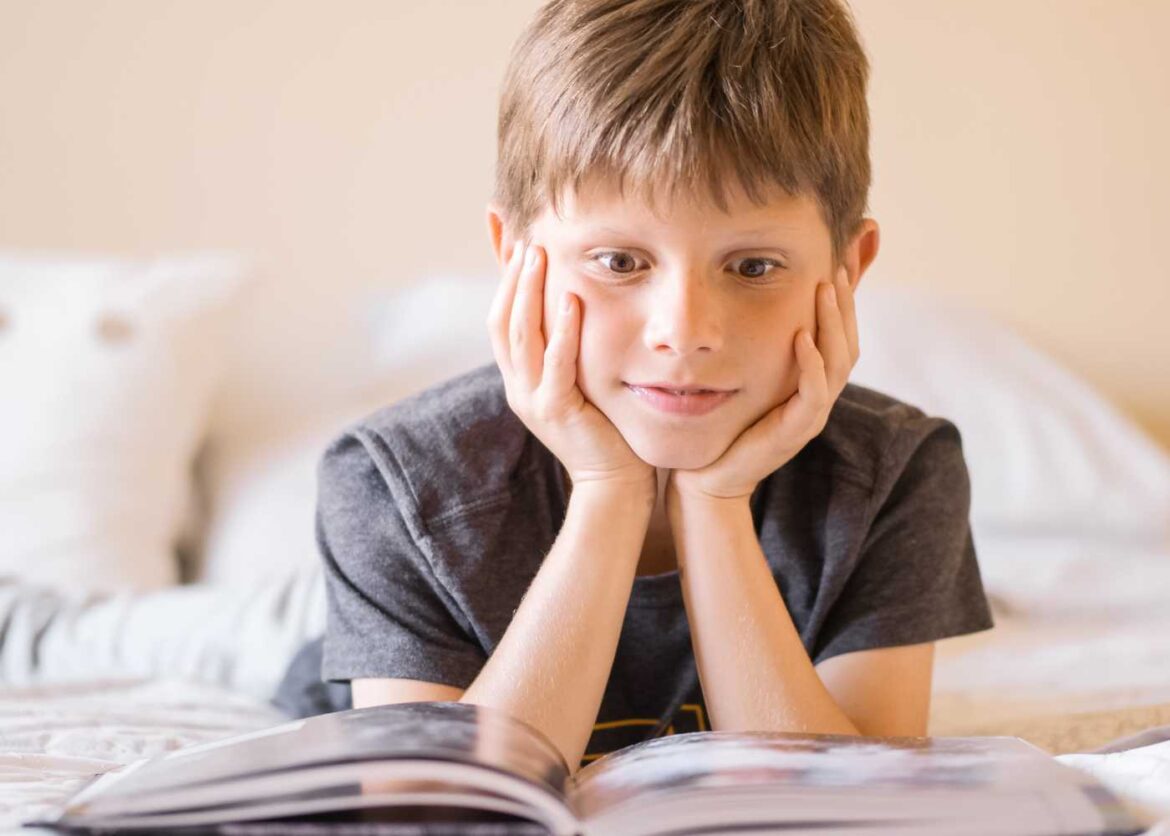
[388, 769]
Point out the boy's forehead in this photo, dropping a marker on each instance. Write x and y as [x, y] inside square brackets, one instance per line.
[599, 206]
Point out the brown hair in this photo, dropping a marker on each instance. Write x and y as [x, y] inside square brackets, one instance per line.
[682, 94]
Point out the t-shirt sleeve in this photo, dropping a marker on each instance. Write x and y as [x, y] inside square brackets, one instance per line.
[917, 578]
[387, 615]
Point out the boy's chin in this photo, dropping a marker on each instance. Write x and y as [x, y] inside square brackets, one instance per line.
[675, 455]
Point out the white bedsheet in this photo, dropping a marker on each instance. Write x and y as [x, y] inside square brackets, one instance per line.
[1064, 684]
[54, 738]
[1080, 654]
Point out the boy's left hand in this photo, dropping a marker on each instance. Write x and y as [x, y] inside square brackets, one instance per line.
[779, 435]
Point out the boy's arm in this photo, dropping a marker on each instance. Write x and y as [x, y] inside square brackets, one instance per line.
[753, 668]
[552, 664]
[916, 581]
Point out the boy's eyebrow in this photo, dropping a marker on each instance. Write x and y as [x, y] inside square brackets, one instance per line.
[764, 230]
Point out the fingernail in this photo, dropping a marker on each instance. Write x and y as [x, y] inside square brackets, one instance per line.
[566, 302]
[530, 257]
[515, 251]
[833, 294]
[808, 340]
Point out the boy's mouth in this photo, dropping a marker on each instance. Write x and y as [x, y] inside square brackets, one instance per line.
[680, 400]
[681, 389]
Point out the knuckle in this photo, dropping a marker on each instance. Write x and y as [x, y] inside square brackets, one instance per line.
[556, 349]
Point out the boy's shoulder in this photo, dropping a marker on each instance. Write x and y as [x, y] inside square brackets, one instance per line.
[467, 400]
[871, 434]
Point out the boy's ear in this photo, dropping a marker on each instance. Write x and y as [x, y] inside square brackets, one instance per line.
[862, 250]
[500, 234]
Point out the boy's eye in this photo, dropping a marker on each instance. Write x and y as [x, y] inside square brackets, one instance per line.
[757, 268]
[620, 262]
[623, 264]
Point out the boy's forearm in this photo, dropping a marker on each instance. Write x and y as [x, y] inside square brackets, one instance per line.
[552, 664]
[753, 668]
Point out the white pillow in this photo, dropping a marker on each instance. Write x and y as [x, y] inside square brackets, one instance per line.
[108, 366]
[262, 500]
[1047, 453]
[260, 473]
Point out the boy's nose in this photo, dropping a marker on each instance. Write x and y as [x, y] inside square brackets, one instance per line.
[683, 317]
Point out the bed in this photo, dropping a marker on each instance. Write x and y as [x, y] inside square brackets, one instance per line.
[105, 659]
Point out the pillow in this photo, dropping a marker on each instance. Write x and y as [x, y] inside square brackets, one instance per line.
[1047, 453]
[262, 489]
[260, 470]
[108, 367]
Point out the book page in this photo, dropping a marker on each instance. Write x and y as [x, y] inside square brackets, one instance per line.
[836, 777]
[451, 732]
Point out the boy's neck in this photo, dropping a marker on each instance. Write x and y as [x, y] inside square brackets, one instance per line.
[660, 501]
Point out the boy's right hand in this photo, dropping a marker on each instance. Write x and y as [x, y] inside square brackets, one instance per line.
[541, 382]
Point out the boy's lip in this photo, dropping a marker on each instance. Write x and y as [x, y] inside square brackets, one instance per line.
[686, 388]
[692, 403]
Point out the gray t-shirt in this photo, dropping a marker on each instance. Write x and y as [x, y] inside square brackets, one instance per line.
[435, 513]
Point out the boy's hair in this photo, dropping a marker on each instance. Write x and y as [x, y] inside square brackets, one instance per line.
[684, 94]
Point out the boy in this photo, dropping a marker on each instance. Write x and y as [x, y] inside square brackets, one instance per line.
[662, 508]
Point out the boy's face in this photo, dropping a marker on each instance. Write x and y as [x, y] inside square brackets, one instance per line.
[697, 297]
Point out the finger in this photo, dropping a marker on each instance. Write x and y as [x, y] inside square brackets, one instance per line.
[804, 409]
[560, 359]
[501, 312]
[848, 307]
[833, 343]
[788, 427]
[524, 332]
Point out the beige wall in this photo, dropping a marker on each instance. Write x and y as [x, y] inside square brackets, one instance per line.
[1019, 148]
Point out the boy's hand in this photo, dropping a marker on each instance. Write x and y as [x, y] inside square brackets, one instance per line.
[774, 439]
[541, 382]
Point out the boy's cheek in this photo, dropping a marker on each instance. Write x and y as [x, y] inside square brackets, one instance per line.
[775, 379]
[593, 362]
[768, 386]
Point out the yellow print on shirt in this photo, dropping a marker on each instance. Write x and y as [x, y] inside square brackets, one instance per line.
[613, 735]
